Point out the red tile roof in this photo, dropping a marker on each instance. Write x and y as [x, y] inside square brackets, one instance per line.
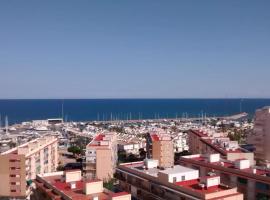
[99, 137]
[77, 193]
[155, 137]
[230, 167]
[194, 184]
[119, 194]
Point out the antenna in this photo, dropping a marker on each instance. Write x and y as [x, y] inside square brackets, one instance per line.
[63, 111]
[241, 100]
[6, 124]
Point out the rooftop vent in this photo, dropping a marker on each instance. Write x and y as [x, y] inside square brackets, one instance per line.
[201, 185]
[213, 158]
[72, 185]
[210, 181]
[242, 164]
[211, 174]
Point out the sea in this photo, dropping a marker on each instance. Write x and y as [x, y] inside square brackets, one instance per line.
[17, 111]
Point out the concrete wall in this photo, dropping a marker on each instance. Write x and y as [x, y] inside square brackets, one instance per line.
[72, 176]
[93, 187]
[8, 175]
[104, 164]
[163, 152]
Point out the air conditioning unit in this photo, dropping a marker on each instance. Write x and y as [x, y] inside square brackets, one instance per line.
[73, 185]
[201, 185]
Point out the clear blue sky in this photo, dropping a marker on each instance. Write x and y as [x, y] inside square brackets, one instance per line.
[134, 49]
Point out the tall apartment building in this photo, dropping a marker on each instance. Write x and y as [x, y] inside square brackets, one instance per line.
[207, 142]
[160, 147]
[20, 165]
[252, 181]
[144, 180]
[261, 136]
[69, 185]
[101, 156]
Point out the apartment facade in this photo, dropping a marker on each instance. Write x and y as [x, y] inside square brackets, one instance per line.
[252, 181]
[160, 147]
[208, 142]
[101, 157]
[146, 181]
[69, 185]
[261, 136]
[20, 165]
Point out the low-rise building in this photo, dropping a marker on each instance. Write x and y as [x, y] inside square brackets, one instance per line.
[207, 142]
[180, 142]
[69, 185]
[252, 181]
[145, 180]
[129, 148]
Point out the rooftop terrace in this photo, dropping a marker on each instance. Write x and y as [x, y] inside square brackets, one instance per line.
[56, 186]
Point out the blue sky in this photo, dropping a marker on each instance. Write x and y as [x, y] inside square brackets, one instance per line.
[134, 49]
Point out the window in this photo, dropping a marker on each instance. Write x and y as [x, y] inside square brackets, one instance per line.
[183, 178]
[262, 186]
[260, 196]
[242, 180]
[14, 168]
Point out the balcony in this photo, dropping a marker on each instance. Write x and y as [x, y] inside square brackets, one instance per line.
[15, 171]
[15, 187]
[15, 193]
[14, 164]
[14, 179]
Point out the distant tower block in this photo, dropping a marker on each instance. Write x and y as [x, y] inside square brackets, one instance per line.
[261, 135]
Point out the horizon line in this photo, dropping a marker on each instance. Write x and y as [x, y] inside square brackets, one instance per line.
[141, 98]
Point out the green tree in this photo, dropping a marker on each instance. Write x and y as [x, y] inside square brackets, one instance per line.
[109, 184]
[142, 153]
[74, 150]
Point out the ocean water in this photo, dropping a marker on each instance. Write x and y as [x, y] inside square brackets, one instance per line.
[105, 109]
